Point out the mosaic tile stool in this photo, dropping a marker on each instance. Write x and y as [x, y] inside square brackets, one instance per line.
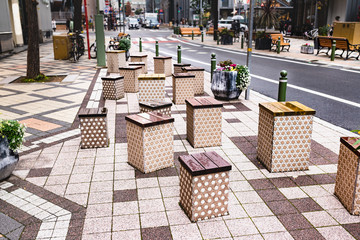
[150, 141]
[162, 65]
[151, 87]
[140, 58]
[131, 74]
[183, 87]
[199, 78]
[115, 59]
[203, 122]
[113, 87]
[204, 185]
[178, 67]
[93, 126]
[347, 185]
[284, 136]
[156, 106]
[138, 64]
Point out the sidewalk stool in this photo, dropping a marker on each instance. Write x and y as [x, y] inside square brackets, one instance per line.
[284, 136]
[140, 58]
[138, 64]
[178, 67]
[347, 184]
[183, 87]
[156, 106]
[151, 87]
[131, 73]
[150, 141]
[113, 87]
[203, 122]
[162, 65]
[204, 185]
[199, 78]
[114, 60]
[93, 126]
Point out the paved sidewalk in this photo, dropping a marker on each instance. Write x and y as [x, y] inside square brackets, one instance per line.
[60, 191]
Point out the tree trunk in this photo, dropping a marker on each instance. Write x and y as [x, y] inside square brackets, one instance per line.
[77, 15]
[33, 56]
[214, 16]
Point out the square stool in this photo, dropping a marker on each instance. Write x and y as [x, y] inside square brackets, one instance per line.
[183, 87]
[203, 122]
[178, 67]
[156, 106]
[199, 78]
[140, 58]
[93, 127]
[131, 82]
[151, 87]
[138, 64]
[204, 185]
[162, 65]
[115, 59]
[113, 87]
[284, 136]
[150, 141]
[347, 185]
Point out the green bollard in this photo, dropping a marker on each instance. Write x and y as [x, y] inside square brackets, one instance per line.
[192, 35]
[217, 38]
[213, 64]
[156, 48]
[242, 41]
[282, 86]
[140, 45]
[333, 49]
[278, 46]
[179, 54]
[202, 36]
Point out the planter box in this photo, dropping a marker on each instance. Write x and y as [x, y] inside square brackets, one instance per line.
[150, 141]
[151, 87]
[131, 74]
[307, 49]
[113, 87]
[284, 136]
[199, 78]
[138, 64]
[347, 185]
[183, 87]
[204, 185]
[8, 158]
[178, 67]
[263, 43]
[163, 65]
[140, 58]
[223, 85]
[115, 59]
[226, 40]
[93, 126]
[203, 122]
[156, 106]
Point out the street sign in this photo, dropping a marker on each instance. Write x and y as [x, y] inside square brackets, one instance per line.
[196, 17]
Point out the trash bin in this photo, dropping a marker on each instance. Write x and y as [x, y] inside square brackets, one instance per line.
[62, 46]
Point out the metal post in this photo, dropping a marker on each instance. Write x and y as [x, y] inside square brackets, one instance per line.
[179, 54]
[140, 45]
[213, 64]
[100, 40]
[217, 38]
[202, 36]
[249, 50]
[192, 35]
[156, 48]
[278, 46]
[282, 86]
[333, 49]
[242, 41]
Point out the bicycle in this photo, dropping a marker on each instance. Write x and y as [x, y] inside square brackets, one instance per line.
[77, 46]
[312, 33]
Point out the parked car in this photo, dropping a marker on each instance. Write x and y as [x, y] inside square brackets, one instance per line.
[133, 23]
[152, 23]
[227, 23]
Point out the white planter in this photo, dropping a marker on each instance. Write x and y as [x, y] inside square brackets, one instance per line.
[307, 49]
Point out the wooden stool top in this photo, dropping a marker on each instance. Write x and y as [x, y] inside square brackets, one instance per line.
[155, 104]
[203, 102]
[182, 64]
[192, 68]
[183, 75]
[136, 63]
[286, 108]
[130, 68]
[139, 55]
[92, 112]
[204, 163]
[151, 77]
[162, 57]
[149, 119]
[112, 78]
[115, 51]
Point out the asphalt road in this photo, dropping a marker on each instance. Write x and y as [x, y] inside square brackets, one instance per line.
[332, 92]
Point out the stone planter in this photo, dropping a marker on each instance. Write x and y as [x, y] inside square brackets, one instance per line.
[347, 185]
[226, 39]
[263, 43]
[223, 85]
[8, 159]
[307, 49]
[115, 59]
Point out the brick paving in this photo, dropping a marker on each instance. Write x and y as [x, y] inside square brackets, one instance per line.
[60, 191]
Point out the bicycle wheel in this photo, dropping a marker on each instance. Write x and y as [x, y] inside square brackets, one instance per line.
[93, 51]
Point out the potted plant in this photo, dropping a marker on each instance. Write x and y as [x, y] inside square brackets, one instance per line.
[226, 37]
[11, 139]
[307, 48]
[125, 44]
[262, 41]
[229, 80]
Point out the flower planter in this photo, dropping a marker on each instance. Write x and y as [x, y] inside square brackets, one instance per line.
[8, 159]
[223, 85]
[307, 49]
[226, 40]
[263, 43]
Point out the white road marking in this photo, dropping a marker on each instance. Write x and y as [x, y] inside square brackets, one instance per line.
[349, 70]
[161, 39]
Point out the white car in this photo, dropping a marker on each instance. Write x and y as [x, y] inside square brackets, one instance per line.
[133, 23]
[227, 23]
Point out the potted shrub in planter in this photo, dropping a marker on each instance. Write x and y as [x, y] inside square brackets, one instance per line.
[262, 41]
[229, 80]
[11, 139]
[125, 44]
[307, 49]
[226, 37]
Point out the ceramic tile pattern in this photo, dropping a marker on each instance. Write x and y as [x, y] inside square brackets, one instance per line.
[183, 88]
[163, 66]
[113, 89]
[114, 60]
[151, 90]
[198, 81]
[140, 59]
[163, 110]
[131, 82]
[94, 133]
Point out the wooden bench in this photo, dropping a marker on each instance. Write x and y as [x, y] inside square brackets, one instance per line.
[341, 44]
[210, 31]
[189, 31]
[284, 42]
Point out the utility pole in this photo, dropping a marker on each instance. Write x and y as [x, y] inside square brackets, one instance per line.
[201, 10]
[249, 49]
[100, 37]
[123, 14]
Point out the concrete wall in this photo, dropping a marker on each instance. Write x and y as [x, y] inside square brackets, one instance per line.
[44, 15]
[337, 8]
[5, 25]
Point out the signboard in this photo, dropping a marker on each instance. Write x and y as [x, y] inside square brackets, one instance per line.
[196, 16]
